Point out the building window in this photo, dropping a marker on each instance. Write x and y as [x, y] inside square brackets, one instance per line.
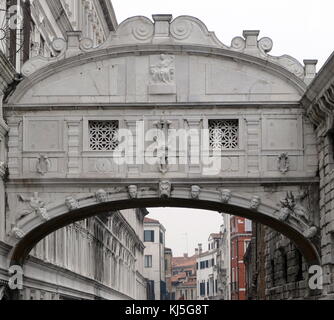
[224, 134]
[202, 289]
[161, 238]
[148, 262]
[149, 236]
[248, 225]
[103, 135]
[247, 242]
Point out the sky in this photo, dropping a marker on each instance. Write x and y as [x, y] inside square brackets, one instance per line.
[186, 228]
[300, 28]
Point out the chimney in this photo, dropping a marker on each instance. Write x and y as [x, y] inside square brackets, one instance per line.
[185, 255]
[199, 248]
[196, 251]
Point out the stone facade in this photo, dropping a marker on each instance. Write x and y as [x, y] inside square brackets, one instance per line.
[44, 21]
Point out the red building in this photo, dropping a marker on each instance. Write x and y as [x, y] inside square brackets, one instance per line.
[241, 235]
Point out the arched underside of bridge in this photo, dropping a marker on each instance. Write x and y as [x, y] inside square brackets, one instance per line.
[34, 228]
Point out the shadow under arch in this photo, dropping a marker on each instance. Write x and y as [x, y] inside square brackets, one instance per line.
[23, 247]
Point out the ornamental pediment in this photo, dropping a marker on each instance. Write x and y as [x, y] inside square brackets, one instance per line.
[182, 31]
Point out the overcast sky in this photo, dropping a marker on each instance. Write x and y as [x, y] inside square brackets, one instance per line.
[300, 28]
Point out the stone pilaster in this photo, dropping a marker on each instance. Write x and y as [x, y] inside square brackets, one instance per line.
[253, 145]
[74, 157]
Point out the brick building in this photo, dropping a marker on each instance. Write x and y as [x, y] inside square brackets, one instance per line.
[241, 234]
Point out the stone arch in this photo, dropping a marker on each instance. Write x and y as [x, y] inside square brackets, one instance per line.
[35, 227]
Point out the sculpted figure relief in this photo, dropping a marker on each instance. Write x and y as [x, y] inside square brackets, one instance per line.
[163, 72]
[71, 203]
[133, 191]
[101, 196]
[195, 192]
[35, 205]
[291, 206]
[165, 189]
[225, 195]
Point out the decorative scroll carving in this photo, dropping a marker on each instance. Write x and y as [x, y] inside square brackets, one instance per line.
[163, 72]
[225, 195]
[143, 30]
[195, 192]
[101, 196]
[255, 203]
[283, 163]
[71, 203]
[165, 189]
[181, 30]
[36, 205]
[238, 44]
[43, 165]
[265, 45]
[133, 191]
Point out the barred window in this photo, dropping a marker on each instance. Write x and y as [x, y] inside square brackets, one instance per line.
[224, 134]
[103, 135]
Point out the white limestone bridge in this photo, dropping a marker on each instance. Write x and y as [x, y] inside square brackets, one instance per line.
[64, 116]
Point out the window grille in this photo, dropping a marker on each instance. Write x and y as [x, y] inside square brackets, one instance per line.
[224, 134]
[103, 135]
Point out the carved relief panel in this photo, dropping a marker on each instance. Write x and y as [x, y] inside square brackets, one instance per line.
[43, 153]
[282, 144]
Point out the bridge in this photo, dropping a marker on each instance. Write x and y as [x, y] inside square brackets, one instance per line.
[162, 114]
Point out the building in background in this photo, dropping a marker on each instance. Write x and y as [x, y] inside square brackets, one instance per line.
[97, 258]
[154, 259]
[46, 20]
[207, 269]
[184, 285]
[241, 235]
[169, 273]
[224, 261]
